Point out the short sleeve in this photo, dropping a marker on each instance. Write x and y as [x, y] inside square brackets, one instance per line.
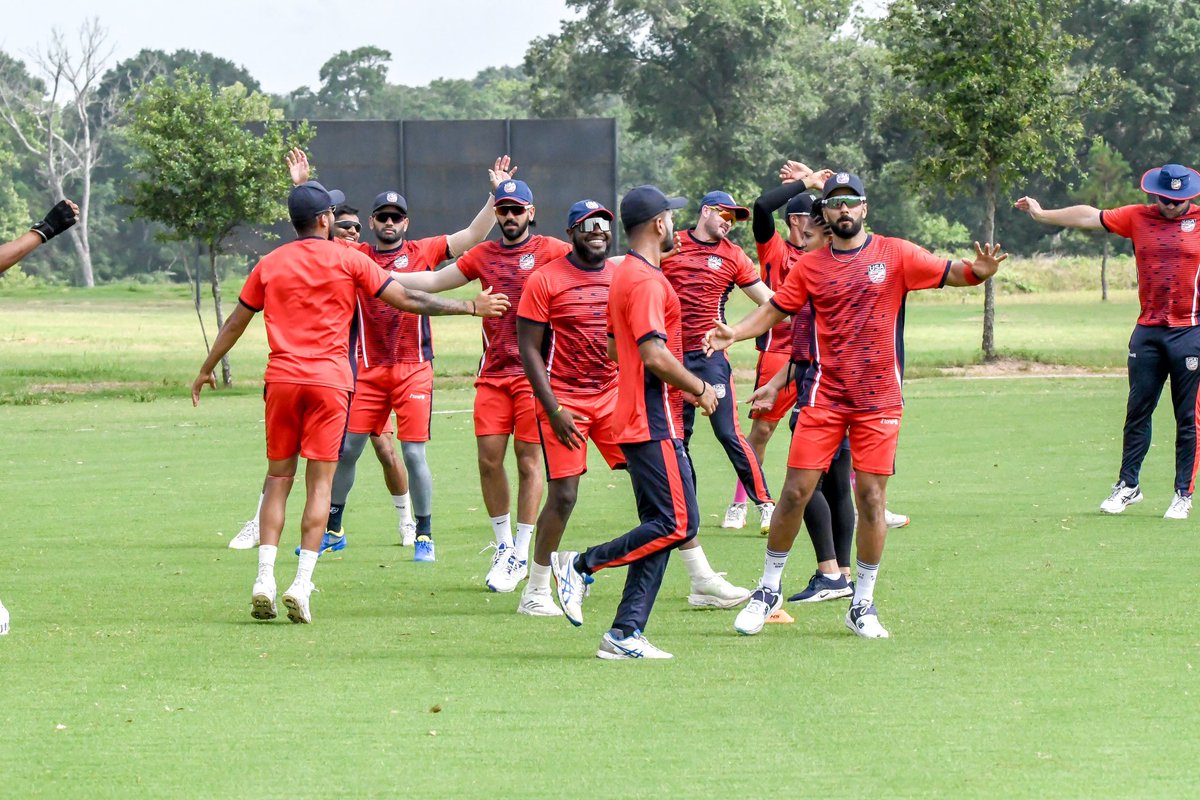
[535, 299]
[253, 295]
[1120, 220]
[469, 264]
[647, 311]
[922, 269]
[745, 273]
[554, 248]
[770, 254]
[433, 251]
[368, 275]
[792, 296]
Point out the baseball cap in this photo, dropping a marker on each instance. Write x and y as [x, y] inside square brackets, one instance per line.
[309, 199]
[1172, 180]
[725, 200]
[584, 209]
[843, 180]
[517, 192]
[800, 204]
[390, 198]
[643, 203]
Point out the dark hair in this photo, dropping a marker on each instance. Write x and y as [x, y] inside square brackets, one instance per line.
[345, 208]
[818, 215]
[305, 226]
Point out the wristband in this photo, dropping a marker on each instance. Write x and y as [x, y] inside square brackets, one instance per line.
[703, 388]
[472, 302]
[555, 412]
[970, 277]
[57, 220]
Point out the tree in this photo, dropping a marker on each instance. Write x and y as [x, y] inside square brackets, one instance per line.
[209, 161]
[352, 79]
[990, 96]
[1109, 184]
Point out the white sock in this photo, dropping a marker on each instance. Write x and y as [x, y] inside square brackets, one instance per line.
[502, 528]
[266, 561]
[304, 566]
[539, 576]
[696, 564]
[403, 508]
[773, 565]
[522, 539]
[833, 576]
[864, 586]
[258, 511]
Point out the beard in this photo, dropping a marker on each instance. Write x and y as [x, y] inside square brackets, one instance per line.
[846, 227]
[589, 255]
[517, 232]
[389, 237]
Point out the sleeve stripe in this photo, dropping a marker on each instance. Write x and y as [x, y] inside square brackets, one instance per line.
[945, 274]
[651, 335]
[1103, 223]
[531, 321]
[775, 302]
[384, 286]
[247, 305]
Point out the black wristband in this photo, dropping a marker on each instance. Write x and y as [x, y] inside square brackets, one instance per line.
[703, 386]
[57, 220]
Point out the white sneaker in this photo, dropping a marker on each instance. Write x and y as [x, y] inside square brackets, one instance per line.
[765, 512]
[570, 585]
[514, 571]
[716, 592]
[863, 620]
[1122, 497]
[635, 645]
[763, 603]
[295, 599]
[262, 600]
[247, 538]
[1180, 506]
[894, 520]
[538, 603]
[499, 564]
[735, 516]
[3, 619]
[408, 533]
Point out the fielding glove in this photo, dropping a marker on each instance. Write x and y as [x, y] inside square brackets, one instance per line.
[57, 220]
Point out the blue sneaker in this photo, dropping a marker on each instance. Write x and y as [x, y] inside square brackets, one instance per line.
[821, 588]
[423, 548]
[331, 542]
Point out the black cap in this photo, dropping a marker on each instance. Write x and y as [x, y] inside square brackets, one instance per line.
[390, 198]
[643, 203]
[308, 200]
[843, 180]
[800, 204]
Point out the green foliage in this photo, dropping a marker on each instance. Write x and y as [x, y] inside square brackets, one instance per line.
[1108, 182]
[352, 79]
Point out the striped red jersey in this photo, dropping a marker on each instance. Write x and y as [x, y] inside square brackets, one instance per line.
[389, 335]
[642, 306]
[1167, 253]
[570, 299]
[775, 260]
[858, 307]
[703, 274]
[802, 334]
[506, 268]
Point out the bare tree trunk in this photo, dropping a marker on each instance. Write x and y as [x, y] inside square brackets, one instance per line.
[195, 284]
[1104, 271]
[226, 374]
[989, 290]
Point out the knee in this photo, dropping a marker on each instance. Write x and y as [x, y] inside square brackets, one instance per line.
[562, 499]
[795, 495]
[871, 501]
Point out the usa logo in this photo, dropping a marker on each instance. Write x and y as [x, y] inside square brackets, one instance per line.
[511, 186]
[1192, 363]
[1176, 184]
[842, 178]
[719, 390]
[401, 262]
[1188, 225]
[877, 272]
[526, 261]
[392, 197]
[592, 204]
[714, 262]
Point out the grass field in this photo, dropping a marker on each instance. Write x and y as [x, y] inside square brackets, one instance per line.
[1039, 649]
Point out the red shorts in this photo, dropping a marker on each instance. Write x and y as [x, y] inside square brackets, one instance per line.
[597, 410]
[505, 405]
[406, 389]
[305, 419]
[820, 431]
[769, 365]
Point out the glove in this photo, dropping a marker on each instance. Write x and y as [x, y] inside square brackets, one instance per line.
[57, 220]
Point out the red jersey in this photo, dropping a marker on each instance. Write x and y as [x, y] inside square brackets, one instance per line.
[506, 268]
[571, 300]
[775, 260]
[1167, 253]
[858, 305]
[703, 274]
[642, 305]
[391, 336]
[306, 290]
[802, 334]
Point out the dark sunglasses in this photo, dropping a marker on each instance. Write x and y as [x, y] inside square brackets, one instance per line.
[1168, 201]
[510, 211]
[346, 225]
[593, 224]
[844, 201]
[384, 217]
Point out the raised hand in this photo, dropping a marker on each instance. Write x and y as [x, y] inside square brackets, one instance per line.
[720, 337]
[817, 179]
[793, 171]
[501, 171]
[987, 260]
[298, 168]
[490, 305]
[63, 215]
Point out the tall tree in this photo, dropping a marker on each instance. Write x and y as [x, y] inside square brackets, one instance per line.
[352, 79]
[1109, 184]
[209, 161]
[990, 96]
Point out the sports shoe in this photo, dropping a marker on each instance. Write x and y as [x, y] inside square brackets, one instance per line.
[408, 533]
[763, 603]
[295, 599]
[821, 588]
[765, 512]
[571, 585]
[894, 520]
[716, 592]
[499, 562]
[331, 542]
[1180, 506]
[1122, 496]
[512, 572]
[863, 620]
[3, 619]
[247, 537]
[735, 516]
[423, 548]
[262, 600]
[635, 645]
[538, 603]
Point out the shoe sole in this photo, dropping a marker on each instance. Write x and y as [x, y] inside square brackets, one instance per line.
[531, 612]
[901, 525]
[294, 612]
[558, 582]
[770, 611]
[732, 527]
[861, 635]
[1139, 498]
[826, 594]
[708, 601]
[236, 545]
[262, 607]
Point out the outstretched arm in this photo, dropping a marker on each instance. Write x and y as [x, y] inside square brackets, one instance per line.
[485, 303]
[668, 369]
[1086, 217]
[439, 280]
[758, 292]
[972, 273]
[756, 323]
[230, 332]
[63, 215]
[460, 242]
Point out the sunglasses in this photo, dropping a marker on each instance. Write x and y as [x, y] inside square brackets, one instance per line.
[510, 211]
[1168, 201]
[384, 217]
[593, 224]
[728, 216]
[346, 225]
[845, 201]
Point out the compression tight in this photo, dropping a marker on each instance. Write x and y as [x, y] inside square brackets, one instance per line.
[829, 516]
[420, 480]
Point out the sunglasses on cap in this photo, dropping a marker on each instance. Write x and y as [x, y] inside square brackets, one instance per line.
[510, 210]
[384, 217]
[347, 224]
[593, 224]
[844, 201]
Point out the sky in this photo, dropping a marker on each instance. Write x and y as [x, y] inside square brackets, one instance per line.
[284, 49]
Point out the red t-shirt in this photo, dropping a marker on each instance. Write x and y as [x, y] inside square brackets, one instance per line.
[642, 305]
[506, 268]
[306, 290]
[571, 300]
[858, 306]
[703, 274]
[389, 335]
[775, 260]
[802, 334]
[1167, 253]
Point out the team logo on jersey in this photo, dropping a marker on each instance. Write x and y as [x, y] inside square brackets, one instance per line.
[1192, 362]
[719, 390]
[401, 262]
[526, 261]
[842, 178]
[714, 262]
[511, 186]
[1188, 225]
[877, 272]
[1176, 184]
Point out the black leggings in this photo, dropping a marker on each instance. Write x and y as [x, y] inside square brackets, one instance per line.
[829, 515]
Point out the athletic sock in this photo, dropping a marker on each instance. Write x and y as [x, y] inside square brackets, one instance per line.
[539, 576]
[697, 565]
[773, 565]
[502, 528]
[335, 518]
[621, 632]
[425, 525]
[403, 508]
[833, 576]
[739, 493]
[266, 561]
[522, 539]
[304, 566]
[864, 586]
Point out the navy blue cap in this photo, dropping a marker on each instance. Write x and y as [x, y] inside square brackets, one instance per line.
[1172, 180]
[800, 204]
[308, 200]
[643, 203]
[843, 180]
[517, 192]
[725, 200]
[390, 198]
[584, 209]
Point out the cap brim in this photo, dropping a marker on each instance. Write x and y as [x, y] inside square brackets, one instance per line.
[676, 203]
[338, 197]
[740, 213]
[595, 212]
[403, 210]
[1183, 194]
[512, 201]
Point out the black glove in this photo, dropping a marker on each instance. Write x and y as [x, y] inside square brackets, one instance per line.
[57, 220]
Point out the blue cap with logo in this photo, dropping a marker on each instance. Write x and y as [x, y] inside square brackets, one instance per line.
[1172, 180]
[515, 192]
[644, 203]
[309, 199]
[390, 198]
[800, 204]
[724, 200]
[843, 180]
[584, 209]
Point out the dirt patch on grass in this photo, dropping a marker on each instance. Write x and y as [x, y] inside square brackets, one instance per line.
[1017, 368]
[89, 388]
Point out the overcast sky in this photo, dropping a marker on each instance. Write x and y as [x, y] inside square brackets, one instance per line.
[284, 44]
